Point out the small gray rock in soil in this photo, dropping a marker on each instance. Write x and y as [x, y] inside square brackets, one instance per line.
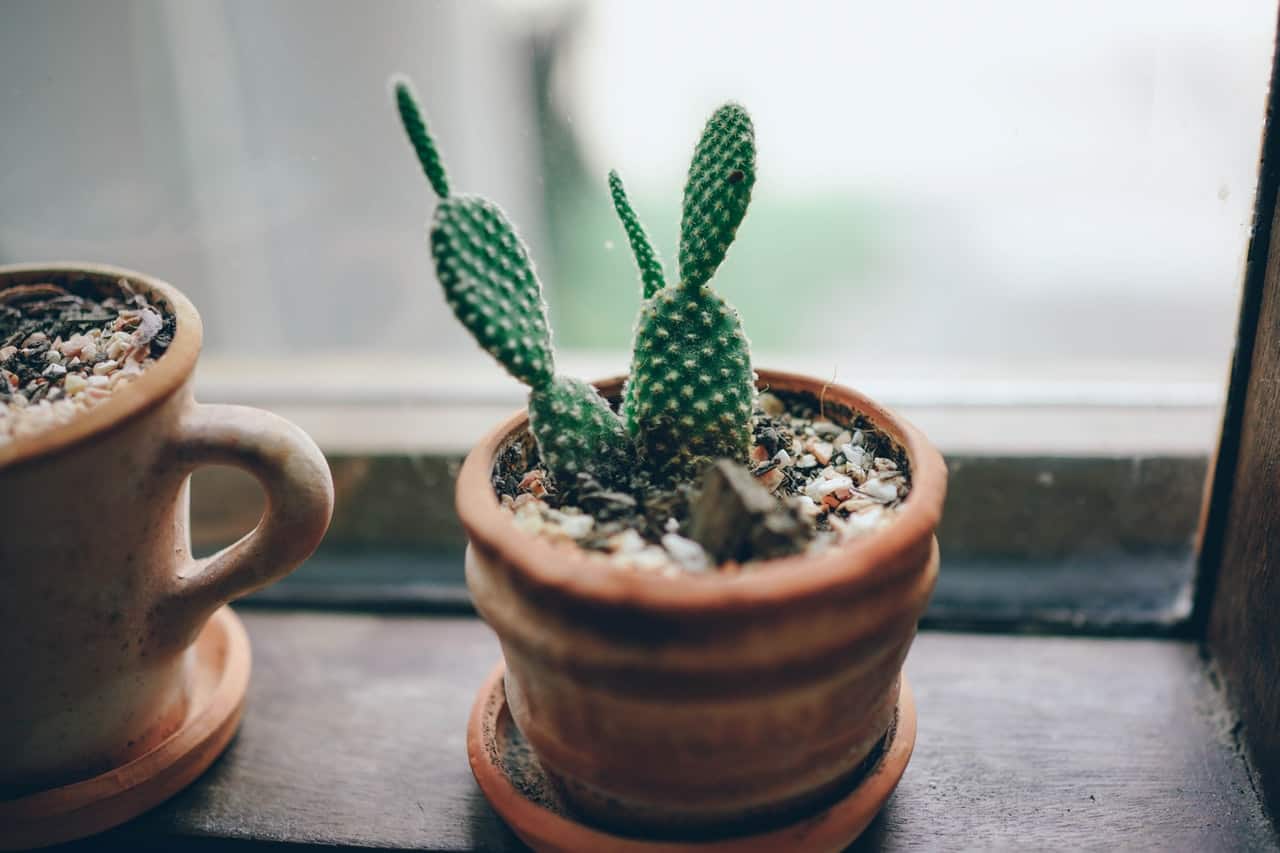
[734, 518]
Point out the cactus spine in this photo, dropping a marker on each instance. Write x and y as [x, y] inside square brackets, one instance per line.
[489, 282]
[691, 389]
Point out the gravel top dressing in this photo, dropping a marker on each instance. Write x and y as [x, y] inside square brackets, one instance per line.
[814, 481]
[64, 351]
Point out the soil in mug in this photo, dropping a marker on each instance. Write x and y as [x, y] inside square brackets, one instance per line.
[832, 474]
[64, 350]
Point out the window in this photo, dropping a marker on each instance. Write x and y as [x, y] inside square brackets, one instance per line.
[1034, 253]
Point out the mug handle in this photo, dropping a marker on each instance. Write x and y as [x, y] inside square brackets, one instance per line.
[299, 488]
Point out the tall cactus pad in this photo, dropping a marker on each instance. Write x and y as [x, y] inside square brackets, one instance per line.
[423, 145]
[490, 284]
[646, 256]
[577, 433]
[691, 387]
[716, 196]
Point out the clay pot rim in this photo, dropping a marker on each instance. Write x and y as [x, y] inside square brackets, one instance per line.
[155, 384]
[577, 574]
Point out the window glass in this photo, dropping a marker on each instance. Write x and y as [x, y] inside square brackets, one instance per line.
[1024, 222]
[1020, 185]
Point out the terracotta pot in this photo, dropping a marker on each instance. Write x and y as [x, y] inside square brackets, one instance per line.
[688, 703]
[101, 594]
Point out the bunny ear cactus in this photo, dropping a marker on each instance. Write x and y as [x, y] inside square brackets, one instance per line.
[721, 177]
[647, 258]
[690, 393]
[489, 282]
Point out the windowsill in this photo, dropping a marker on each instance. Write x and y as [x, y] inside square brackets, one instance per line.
[391, 404]
[354, 729]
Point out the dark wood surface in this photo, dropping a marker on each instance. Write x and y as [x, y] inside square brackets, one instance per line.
[354, 732]
[1105, 594]
[1238, 597]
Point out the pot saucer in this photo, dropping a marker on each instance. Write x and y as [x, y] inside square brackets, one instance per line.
[531, 805]
[219, 675]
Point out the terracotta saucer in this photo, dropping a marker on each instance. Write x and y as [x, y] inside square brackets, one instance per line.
[524, 797]
[219, 678]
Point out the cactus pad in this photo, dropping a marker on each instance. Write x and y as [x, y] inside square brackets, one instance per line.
[691, 388]
[577, 432]
[690, 393]
[646, 256]
[423, 144]
[490, 284]
[689, 397]
[721, 176]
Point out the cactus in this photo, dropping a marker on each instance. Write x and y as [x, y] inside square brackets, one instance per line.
[489, 282]
[423, 145]
[691, 389]
[651, 277]
[690, 392]
[646, 256]
[716, 195]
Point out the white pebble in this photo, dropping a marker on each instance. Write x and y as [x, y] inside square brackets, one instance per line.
[879, 490]
[807, 506]
[626, 542]
[75, 383]
[529, 519]
[854, 455]
[573, 526]
[856, 504]
[782, 458]
[53, 370]
[72, 346]
[819, 489]
[825, 428]
[864, 522]
[102, 368]
[98, 381]
[651, 557]
[822, 451]
[807, 461]
[686, 552]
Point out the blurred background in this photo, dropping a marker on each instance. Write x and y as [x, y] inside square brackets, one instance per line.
[995, 189]
[1023, 224]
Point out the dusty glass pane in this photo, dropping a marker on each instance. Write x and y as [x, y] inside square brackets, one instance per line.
[1023, 222]
[1004, 183]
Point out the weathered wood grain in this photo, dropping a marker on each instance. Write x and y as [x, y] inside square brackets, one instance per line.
[1107, 594]
[1238, 596]
[353, 736]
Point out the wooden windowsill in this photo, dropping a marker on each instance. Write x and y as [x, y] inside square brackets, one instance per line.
[353, 736]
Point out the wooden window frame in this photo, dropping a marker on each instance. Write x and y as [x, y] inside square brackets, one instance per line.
[1236, 610]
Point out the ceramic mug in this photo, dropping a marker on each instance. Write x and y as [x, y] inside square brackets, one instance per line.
[100, 595]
